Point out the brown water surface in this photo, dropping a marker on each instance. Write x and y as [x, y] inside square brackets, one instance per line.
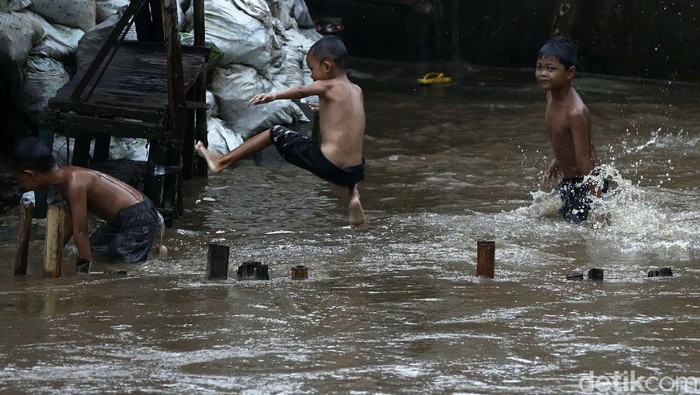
[395, 307]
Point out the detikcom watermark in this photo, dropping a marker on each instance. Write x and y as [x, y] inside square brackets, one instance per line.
[628, 381]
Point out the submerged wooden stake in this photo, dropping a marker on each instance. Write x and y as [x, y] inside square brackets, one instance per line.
[217, 261]
[485, 258]
[300, 272]
[53, 249]
[26, 213]
[252, 270]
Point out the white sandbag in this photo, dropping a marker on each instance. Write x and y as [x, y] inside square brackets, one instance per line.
[59, 41]
[213, 110]
[19, 31]
[128, 148]
[92, 41]
[301, 14]
[104, 9]
[233, 88]
[241, 38]
[14, 5]
[292, 13]
[71, 13]
[42, 78]
[220, 138]
[296, 46]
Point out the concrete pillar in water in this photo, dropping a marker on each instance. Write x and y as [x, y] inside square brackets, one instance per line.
[485, 258]
[217, 261]
[53, 249]
[300, 272]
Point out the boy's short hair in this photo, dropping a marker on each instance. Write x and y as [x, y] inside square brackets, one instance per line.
[561, 48]
[330, 48]
[31, 154]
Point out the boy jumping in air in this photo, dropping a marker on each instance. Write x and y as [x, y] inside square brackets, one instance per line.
[568, 123]
[338, 158]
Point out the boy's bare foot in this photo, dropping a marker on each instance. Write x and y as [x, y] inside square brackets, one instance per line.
[212, 159]
[357, 215]
[159, 250]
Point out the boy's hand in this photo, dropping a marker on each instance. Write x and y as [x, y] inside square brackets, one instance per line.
[314, 106]
[551, 173]
[262, 98]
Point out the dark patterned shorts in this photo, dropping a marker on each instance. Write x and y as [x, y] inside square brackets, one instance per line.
[128, 238]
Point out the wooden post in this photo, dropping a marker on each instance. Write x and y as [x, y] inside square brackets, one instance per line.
[200, 89]
[217, 261]
[53, 250]
[26, 214]
[300, 272]
[595, 274]
[485, 258]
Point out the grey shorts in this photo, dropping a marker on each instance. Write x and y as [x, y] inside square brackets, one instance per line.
[129, 237]
[303, 152]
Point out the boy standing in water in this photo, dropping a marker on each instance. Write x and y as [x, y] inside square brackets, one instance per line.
[568, 122]
[338, 158]
[132, 219]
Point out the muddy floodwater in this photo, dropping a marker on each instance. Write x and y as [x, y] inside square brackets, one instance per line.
[396, 308]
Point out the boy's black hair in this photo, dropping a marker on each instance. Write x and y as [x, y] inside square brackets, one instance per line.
[31, 154]
[330, 48]
[562, 48]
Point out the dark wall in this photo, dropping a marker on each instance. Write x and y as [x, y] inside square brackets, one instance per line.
[639, 38]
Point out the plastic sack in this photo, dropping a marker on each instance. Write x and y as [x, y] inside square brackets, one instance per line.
[71, 13]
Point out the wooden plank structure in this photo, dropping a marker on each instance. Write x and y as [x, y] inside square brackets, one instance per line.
[141, 89]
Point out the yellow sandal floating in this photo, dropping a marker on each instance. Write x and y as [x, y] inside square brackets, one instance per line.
[434, 78]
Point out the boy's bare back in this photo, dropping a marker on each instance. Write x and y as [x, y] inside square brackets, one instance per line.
[342, 121]
[101, 194]
[568, 122]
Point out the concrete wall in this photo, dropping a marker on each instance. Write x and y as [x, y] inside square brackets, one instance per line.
[638, 38]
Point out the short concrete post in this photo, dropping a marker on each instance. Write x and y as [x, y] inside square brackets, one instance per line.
[595, 274]
[26, 213]
[485, 258]
[217, 261]
[53, 249]
[300, 272]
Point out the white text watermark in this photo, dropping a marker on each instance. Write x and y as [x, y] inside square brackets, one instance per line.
[629, 381]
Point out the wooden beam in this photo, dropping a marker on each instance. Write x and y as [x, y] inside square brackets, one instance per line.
[73, 125]
[107, 46]
[26, 213]
[53, 250]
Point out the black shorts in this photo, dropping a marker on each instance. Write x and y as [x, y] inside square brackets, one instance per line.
[129, 237]
[575, 196]
[303, 152]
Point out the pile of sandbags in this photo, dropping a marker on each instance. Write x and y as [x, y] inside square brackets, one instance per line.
[262, 50]
[43, 42]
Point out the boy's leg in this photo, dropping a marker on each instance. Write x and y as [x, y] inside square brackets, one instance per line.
[357, 215]
[251, 146]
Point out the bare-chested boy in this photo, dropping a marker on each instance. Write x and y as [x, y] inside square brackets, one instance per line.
[338, 158]
[132, 219]
[568, 122]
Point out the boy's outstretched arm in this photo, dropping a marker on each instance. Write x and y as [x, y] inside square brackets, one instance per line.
[295, 92]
